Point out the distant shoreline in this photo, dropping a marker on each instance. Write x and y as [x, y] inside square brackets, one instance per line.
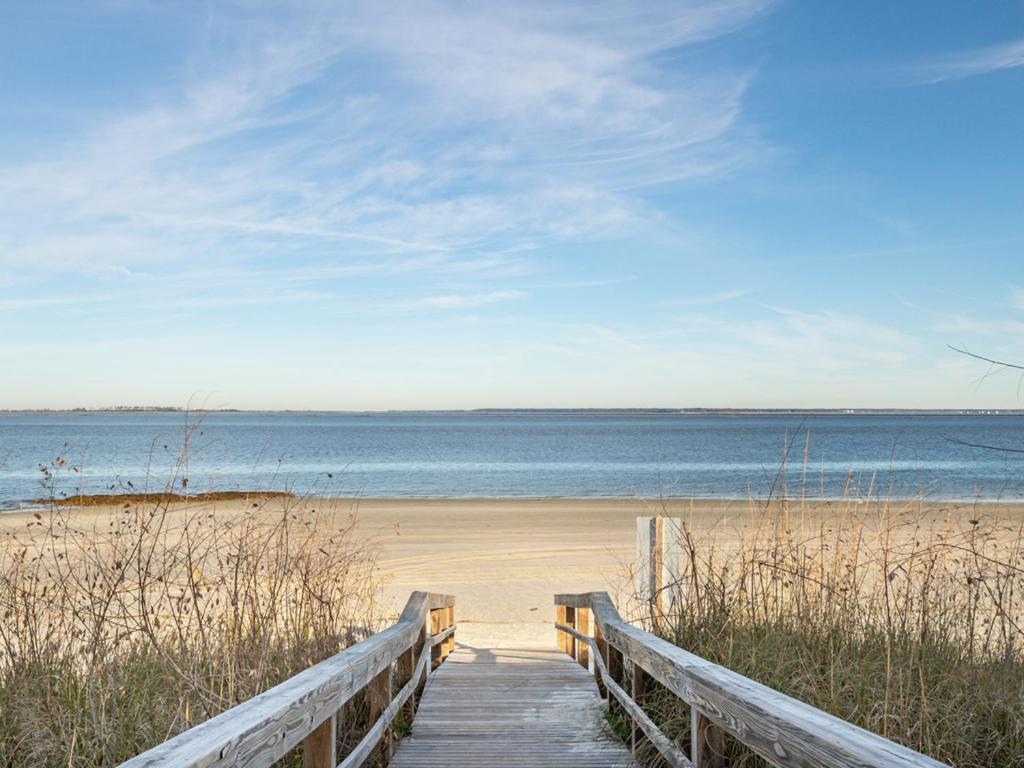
[86, 501]
[553, 411]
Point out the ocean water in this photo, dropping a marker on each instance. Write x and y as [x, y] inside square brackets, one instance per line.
[516, 454]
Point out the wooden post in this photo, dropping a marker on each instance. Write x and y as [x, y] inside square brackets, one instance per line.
[449, 643]
[658, 558]
[583, 625]
[379, 693]
[559, 634]
[436, 651]
[707, 742]
[602, 651]
[405, 665]
[638, 693]
[614, 662]
[570, 621]
[424, 634]
[318, 749]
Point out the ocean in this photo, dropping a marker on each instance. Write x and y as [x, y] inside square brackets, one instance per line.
[514, 454]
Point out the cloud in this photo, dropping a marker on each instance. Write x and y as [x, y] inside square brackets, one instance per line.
[464, 301]
[970, 63]
[966, 323]
[709, 299]
[1017, 297]
[386, 130]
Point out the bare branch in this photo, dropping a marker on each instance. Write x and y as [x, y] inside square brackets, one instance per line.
[963, 351]
[1002, 448]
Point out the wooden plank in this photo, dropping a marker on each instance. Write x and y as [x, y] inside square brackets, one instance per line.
[707, 742]
[435, 629]
[600, 649]
[784, 731]
[570, 639]
[376, 732]
[443, 636]
[665, 746]
[671, 563]
[258, 732]
[583, 648]
[510, 708]
[404, 673]
[638, 681]
[379, 696]
[449, 623]
[318, 748]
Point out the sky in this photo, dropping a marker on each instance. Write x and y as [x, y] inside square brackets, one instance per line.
[333, 205]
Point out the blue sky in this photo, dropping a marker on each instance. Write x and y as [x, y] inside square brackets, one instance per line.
[448, 205]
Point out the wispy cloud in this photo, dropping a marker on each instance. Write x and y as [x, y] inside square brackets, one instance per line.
[709, 299]
[1017, 297]
[475, 129]
[462, 300]
[969, 63]
[969, 324]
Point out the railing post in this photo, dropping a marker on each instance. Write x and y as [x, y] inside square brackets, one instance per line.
[449, 642]
[707, 742]
[318, 748]
[583, 625]
[570, 621]
[451, 637]
[601, 649]
[560, 636]
[435, 628]
[379, 693]
[638, 692]
[614, 664]
[405, 665]
[424, 634]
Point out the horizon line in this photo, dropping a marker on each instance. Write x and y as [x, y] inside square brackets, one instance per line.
[656, 410]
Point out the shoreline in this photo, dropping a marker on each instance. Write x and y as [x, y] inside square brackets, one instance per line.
[102, 500]
[654, 411]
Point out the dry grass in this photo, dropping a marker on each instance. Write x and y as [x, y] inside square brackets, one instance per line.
[118, 631]
[901, 618]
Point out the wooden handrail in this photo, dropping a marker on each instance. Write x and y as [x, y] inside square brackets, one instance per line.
[303, 709]
[782, 730]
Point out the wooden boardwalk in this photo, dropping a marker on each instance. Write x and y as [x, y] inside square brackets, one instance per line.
[509, 709]
[526, 708]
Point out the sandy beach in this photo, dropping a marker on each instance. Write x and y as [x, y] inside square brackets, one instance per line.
[504, 559]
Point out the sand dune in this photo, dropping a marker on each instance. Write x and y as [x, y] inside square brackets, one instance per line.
[505, 559]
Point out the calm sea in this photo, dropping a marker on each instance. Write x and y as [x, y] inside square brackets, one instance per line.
[517, 454]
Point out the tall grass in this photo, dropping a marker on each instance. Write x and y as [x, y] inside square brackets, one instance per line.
[123, 626]
[904, 618]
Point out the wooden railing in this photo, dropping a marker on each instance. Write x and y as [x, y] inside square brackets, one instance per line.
[782, 730]
[303, 710]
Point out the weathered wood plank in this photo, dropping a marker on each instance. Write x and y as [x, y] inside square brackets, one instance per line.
[784, 731]
[318, 748]
[263, 729]
[707, 742]
[583, 647]
[512, 708]
[665, 746]
[377, 731]
[379, 695]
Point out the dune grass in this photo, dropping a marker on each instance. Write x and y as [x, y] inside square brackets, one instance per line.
[120, 629]
[904, 618]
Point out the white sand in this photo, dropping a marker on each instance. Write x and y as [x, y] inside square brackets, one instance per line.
[505, 559]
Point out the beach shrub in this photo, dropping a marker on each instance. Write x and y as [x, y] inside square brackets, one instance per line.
[904, 618]
[124, 625]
